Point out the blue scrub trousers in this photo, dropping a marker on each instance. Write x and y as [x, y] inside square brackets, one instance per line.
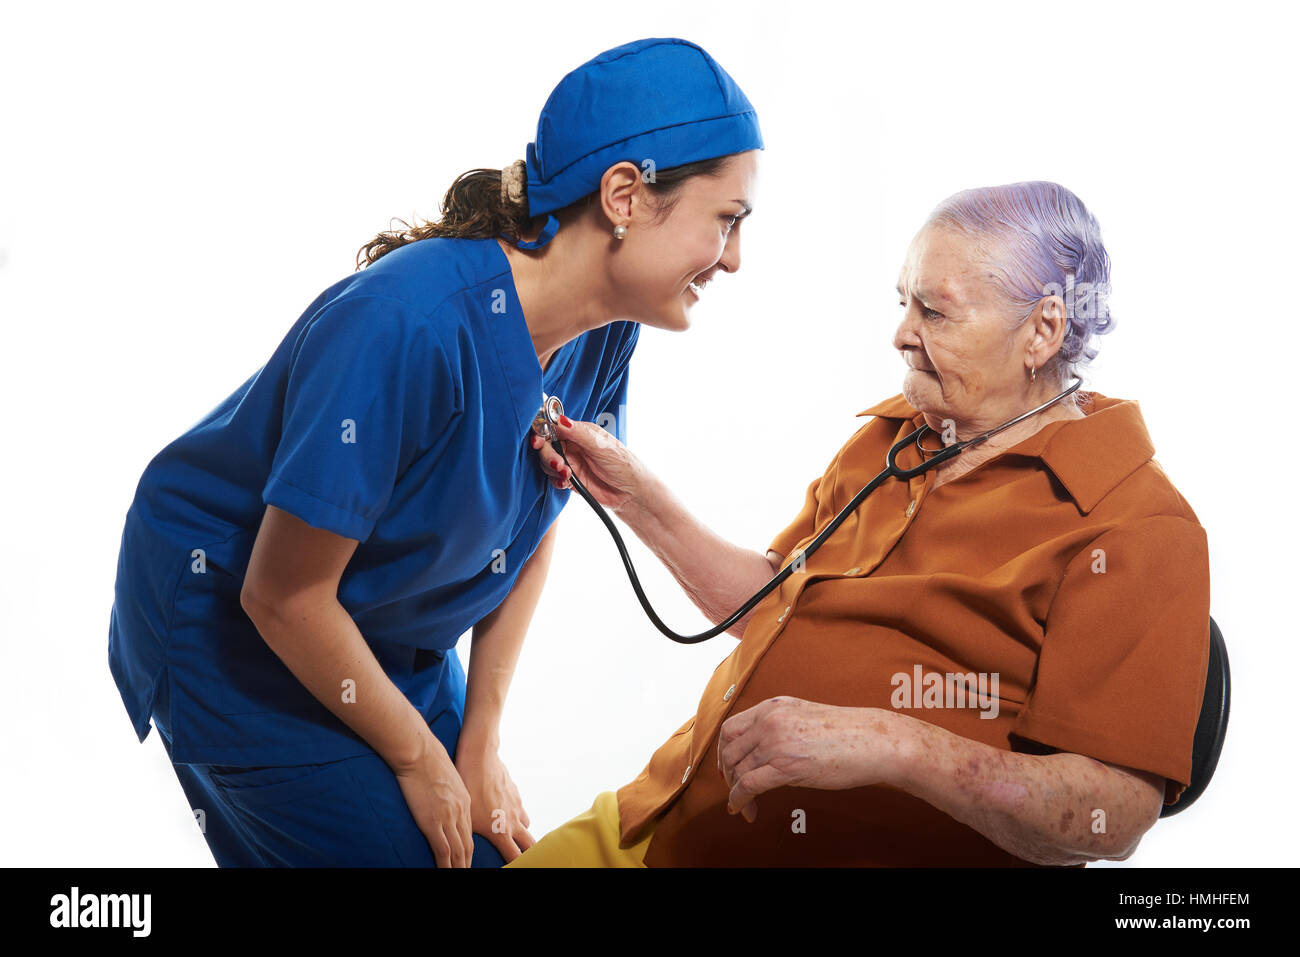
[346, 813]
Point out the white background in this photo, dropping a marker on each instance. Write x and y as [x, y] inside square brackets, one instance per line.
[180, 180]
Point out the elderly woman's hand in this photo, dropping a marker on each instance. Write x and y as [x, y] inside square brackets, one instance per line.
[603, 464]
[787, 741]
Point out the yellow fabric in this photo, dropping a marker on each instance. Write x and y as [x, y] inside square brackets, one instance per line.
[589, 840]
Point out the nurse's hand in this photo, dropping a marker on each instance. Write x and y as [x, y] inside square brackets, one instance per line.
[495, 810]
[440, 804]
[603, 464]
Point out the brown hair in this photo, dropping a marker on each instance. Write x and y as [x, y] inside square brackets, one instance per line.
[472, 208]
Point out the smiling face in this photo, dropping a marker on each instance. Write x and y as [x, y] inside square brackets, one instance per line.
[663, 254]
[964, 362]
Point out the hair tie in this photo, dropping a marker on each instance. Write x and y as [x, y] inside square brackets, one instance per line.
[513, 178]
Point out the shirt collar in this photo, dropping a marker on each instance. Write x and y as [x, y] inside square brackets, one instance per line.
[1089, 456]
[514, 343]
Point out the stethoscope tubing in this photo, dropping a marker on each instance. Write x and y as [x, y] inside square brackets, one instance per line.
[891, 469]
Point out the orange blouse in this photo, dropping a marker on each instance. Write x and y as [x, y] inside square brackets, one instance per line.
[1065, 578]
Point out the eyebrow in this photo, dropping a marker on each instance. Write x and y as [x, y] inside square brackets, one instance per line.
[748, 209]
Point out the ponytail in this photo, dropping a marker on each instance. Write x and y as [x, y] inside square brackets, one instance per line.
[472, 209]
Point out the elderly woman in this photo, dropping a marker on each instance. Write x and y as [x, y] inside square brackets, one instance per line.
[998, 662]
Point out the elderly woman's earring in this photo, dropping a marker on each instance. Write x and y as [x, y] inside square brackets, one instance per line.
[1033, 372]
[620, 231]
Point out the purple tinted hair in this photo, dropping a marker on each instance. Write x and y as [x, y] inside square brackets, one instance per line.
[1040, 240]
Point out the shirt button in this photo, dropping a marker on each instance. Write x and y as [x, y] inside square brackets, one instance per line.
[687, 774]
[730, 692]
[911, 507]
[853, 571]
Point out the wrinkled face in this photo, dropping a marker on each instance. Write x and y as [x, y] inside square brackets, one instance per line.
[963, 363]
[663, 267]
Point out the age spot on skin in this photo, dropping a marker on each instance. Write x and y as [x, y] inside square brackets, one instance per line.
[1013, 795]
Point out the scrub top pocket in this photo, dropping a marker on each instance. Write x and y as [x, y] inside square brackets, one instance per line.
[266, 786]
[345, 813]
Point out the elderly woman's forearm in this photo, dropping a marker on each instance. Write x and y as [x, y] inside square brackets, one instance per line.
[321, 645]
[1042, 808]
[716, 575]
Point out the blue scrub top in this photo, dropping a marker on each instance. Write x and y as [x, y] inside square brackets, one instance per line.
[395, 411]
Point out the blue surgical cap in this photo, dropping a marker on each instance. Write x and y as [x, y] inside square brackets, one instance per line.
[662, 100]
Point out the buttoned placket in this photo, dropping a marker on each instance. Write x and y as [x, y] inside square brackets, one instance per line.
[917, 487]
[730, 693]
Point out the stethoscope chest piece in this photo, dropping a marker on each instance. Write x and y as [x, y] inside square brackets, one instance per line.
[548, 417]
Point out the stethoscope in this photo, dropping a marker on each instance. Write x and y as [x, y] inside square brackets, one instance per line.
[549, 416]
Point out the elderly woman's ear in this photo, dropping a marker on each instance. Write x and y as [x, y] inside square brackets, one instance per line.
[1051, 325]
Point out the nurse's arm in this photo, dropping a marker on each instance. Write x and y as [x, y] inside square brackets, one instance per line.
[497, 640]
[291, 594]
[716, 575]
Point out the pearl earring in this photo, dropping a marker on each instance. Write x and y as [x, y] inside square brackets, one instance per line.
[620, 231]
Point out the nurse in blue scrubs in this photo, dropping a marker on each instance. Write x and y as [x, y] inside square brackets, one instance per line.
[296, 569]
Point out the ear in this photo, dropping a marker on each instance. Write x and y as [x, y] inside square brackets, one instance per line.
[1050, 325]
[621, 193]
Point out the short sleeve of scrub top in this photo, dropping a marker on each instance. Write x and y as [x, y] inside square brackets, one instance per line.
[395, 411]
[368, 387]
